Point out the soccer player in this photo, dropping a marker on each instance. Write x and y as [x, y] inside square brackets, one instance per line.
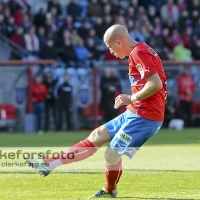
[130, 130]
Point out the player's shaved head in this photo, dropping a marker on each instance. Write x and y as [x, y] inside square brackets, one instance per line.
[115, 32]
[118, 40]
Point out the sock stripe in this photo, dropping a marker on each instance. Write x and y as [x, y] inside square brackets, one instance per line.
[118, 174]
[81, 152]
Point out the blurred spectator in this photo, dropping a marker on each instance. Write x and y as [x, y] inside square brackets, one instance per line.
[49, 51]
[41, 36]
[156, 3]
[130, 24]
[40, 18]
[197, 30]
[65, 103]
[83, 4]
[107, 22]
[31, 41]
[2, 25]
[193, 5]
[196, 49]
[81, 51]
[166, 37]
[194, 11]
[26, 22]
[92, 35]
[74, 10]
[99, 27]
[13, 5]
[10, 27]
[3, 5]
[104, 2]
[175, 39]
[68, 24]
[151, 13]
[94, 9]
[187, 37]
[83, 31]
[7, 14]
[181, 53]
[18, 15]
[39, 94]
[130, 14]
[195, 17]
[50, 102]
[141, 16]
[18, 37]
[66, 35]
[170, 10]
[106, 9]
[170, 108]
[75, 37]
[166, 54]
[158, 25]
[134, 4]
[49, 24]
[184, 20]
[156, 42]
[186, 88]
[67, 52]
[51, 36]
[54, 4]
[110, 87]
[169, 24]
[146, 29]
[181, 4]
[117, 8]
[95, 53]
[54, 16]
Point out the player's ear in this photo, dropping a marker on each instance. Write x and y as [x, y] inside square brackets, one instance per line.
[118, 42]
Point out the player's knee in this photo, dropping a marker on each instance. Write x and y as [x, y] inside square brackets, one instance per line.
[99, 136]
[95, 137]
[111, 156]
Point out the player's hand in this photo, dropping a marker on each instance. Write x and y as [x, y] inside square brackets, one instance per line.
[189, 92]
[122, 99]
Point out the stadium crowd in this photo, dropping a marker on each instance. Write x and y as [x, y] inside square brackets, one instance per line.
[74, 33]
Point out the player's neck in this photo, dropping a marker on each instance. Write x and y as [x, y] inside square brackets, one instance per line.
[131, 45]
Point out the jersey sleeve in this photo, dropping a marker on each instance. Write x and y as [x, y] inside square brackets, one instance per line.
[145, 63]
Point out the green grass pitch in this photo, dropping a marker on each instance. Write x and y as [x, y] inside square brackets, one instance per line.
[167, 167]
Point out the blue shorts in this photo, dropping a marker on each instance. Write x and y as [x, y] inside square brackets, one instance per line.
[130, 131]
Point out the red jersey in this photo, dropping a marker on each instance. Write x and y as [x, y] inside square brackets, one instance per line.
[39, 92]
[185, 83]
[144, 62]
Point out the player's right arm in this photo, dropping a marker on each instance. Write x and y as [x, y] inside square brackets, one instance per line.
[146, 67]
[152, 85]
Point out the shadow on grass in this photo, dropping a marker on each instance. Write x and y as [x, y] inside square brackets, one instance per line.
[97, 171]
[34, 172]
[153, 198]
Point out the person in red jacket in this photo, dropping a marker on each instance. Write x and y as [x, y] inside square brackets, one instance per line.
[39, 94]
[186, 88]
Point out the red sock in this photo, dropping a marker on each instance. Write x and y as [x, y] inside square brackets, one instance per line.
[113, 174]
[78, 152]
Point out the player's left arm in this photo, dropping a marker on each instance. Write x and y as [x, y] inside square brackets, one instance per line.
[152, 85]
